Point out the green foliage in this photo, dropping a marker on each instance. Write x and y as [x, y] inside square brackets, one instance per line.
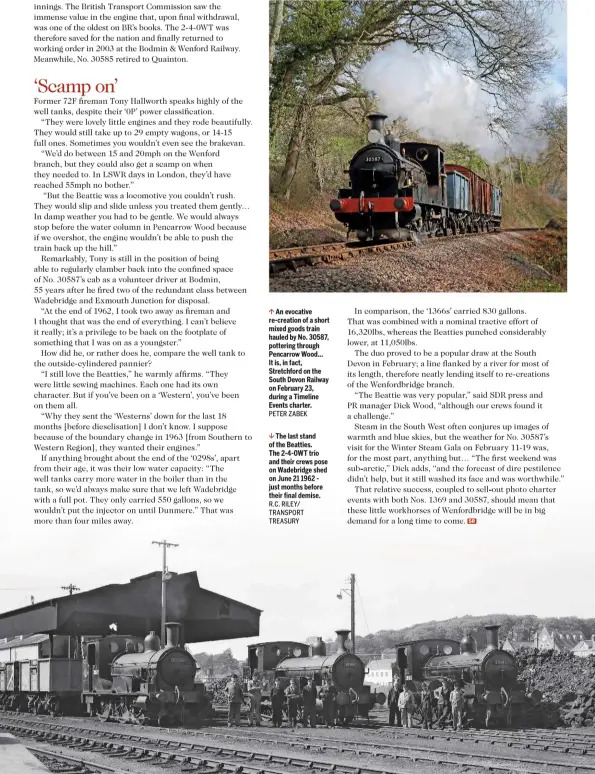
[466, 156]
[315, 25]
[539, 286]
[219, 662]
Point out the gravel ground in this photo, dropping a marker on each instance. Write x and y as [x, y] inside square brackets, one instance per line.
[477, 263]
[418, 745]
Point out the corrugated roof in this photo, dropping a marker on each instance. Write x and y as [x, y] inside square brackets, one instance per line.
[15, 642]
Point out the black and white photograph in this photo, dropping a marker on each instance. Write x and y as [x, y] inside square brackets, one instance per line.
[424, 660]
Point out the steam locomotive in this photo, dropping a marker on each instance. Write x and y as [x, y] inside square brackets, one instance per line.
[287, 660]
[401, 189]
[488, 675]
[112, 677]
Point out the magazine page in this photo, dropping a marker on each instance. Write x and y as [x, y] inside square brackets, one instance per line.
[297, 387]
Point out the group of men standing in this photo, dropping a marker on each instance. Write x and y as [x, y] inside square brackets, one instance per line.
[294, 698]
[444, 704]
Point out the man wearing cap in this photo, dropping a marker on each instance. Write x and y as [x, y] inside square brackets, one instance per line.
[277, 699]
[457, 702]
[393, 703]
[406, 706]
[294, 701]
[442, 696]
[235, 696]
[254, 688]
[309, 699]
[426, 707]
[328, 694]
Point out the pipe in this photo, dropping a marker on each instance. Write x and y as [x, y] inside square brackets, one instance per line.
[492, 636]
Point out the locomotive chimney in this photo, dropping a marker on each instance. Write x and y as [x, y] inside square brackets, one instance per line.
[376, 127]
[173, 635]
[342, 635]
[492, 636]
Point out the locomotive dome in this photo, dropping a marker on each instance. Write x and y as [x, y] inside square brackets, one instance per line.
[468, 644]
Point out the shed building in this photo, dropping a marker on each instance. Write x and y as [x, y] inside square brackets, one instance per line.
[134, 609]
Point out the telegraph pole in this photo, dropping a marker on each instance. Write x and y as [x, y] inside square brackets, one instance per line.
[351, 592]
[165, 576]
[70, 588]
[352, 586]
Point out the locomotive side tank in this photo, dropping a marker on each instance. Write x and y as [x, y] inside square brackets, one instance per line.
[396, 188]
[344, 668]
[488, 676]
[487, 670]
[154, 684]
[400, 189]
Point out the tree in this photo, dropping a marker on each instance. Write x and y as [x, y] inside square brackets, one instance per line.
[553, 123]
[552, 126]
[322, 44]
[276, 8]
[459, 153]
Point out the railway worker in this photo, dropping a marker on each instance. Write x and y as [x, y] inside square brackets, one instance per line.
[495, 706]
[344, 714]
[405, 704]
[328, 694]
[277, 699]
[254, 688]
[393, 703]
[442, 696]
[294, 700]
[426, 702]
[309, 700]
[235, 696]
[457, 702]
[507, 705]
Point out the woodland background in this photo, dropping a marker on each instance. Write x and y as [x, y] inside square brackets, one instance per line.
[318, 105]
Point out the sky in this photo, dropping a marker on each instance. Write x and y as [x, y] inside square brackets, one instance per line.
[558, 25]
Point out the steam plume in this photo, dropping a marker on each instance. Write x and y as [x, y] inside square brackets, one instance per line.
[435, 99]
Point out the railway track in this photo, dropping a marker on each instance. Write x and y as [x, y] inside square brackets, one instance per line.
[220, 751]
[55, 762]
[413, 740]
[577, 744]
[292, 258]
[566, 742]
[188, 756]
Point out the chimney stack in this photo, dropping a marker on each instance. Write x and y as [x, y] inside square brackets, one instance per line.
[376, 127]
[342, 635]
[492, 636]
[172, 631]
